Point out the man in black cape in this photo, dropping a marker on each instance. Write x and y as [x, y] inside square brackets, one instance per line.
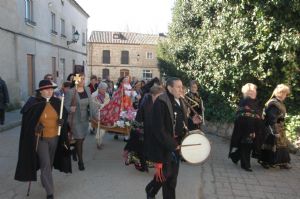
[169, 121]
[28, 160]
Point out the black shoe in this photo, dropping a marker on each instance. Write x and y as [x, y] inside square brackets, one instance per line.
[74, 155]
[92, 131]
[116, 137]
[247, 169]
[265, 166]
[81, 166]
[233, 158]
[149, 197]
[50, 196]
[285, 166]
[1, 123]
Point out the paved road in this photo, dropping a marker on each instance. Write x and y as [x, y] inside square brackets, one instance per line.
[106, 176]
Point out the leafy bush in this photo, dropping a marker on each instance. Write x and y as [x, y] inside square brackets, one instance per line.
[292, 127]
[226, 44]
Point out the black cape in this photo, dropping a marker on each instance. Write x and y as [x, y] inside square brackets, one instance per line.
[27, 165]
[161, 138]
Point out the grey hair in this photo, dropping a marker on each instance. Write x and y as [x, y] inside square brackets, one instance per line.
[102, 85]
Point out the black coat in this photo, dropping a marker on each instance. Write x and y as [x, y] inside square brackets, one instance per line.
[161, 141]
[247, 121]
[144, 115]
[4, 97]
[27, 165]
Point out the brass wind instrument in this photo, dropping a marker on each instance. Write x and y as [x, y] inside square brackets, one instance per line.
[194, 101]
[197, 104]
[192, 109]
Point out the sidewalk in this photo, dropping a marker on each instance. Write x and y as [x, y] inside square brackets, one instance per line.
[221, 179]
[12, 119]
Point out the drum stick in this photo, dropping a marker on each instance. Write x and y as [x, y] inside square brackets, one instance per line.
[190, 145]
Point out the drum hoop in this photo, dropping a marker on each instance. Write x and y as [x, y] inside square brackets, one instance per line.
[200, 163]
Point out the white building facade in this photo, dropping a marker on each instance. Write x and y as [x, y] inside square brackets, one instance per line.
[37, 38]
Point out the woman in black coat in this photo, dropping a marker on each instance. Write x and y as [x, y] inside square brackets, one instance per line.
[275, 150]
[246, 127]
[139, 144]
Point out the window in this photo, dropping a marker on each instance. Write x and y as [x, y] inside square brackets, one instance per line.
[83, 39]
[149, 55]
[125, 57]
[53, 23]
[147, 74]
[31, 76]
[105, 73]
[54, 73]
[29, 12]
[60, 72]
[106, 57]
[62, 28]
[124, 72]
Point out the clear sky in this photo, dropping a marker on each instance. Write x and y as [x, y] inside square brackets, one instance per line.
[142, 16]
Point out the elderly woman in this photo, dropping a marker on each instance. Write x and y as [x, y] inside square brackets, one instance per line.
[99, 99]
[275, 148]
[245, 127]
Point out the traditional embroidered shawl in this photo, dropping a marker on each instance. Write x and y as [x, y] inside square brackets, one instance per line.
[110, 113]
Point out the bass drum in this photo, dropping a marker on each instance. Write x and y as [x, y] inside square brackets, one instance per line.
[195, 147]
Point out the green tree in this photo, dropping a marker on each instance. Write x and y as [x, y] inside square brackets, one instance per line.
[225, 44]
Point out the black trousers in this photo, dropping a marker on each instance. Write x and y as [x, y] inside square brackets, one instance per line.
[243, 153]
[2, 116]
[170, 171]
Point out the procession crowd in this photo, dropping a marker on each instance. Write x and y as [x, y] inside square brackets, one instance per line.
[153, 117]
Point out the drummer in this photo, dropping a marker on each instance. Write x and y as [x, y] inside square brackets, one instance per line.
[169, 118]
[99, 99]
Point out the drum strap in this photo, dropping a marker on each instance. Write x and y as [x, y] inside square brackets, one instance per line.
[174, 125]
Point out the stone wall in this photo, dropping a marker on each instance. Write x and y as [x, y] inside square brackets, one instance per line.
[225, 130]
[219, 129]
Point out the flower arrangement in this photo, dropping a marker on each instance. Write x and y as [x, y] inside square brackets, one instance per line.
[126, 118]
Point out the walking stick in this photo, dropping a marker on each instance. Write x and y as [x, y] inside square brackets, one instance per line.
[98, 131]
[36, 148]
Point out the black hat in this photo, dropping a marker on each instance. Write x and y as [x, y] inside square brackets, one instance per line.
[44, 84]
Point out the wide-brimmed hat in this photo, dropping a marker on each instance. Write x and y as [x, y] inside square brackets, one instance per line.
[44, 84]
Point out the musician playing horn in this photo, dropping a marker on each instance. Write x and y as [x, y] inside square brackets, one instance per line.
[40, 146]
[195, 101]
[168, 129]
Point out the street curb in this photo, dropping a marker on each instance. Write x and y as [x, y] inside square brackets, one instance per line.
[10, 126]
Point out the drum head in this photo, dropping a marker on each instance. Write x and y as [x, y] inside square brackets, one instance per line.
[195, 148]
